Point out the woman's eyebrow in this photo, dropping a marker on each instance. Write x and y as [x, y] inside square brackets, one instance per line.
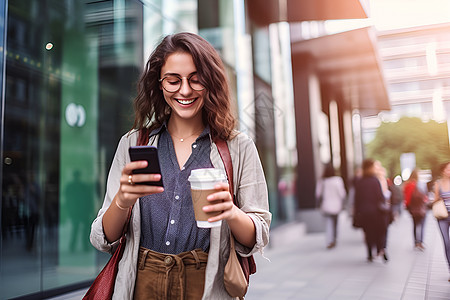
[178, 75]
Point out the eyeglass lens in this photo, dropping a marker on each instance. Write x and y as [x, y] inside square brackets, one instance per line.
[173, 83]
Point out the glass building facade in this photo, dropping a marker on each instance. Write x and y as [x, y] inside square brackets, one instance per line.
[69, 78]
[69, 74]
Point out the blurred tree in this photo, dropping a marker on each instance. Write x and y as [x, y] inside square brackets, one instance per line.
[428, 140]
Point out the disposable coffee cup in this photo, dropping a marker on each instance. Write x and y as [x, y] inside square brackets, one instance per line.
[203, 182]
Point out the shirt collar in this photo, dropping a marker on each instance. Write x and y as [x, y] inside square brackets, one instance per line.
[159, 129]
[206, 132]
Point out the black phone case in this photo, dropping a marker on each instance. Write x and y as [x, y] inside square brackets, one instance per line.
[150, 154]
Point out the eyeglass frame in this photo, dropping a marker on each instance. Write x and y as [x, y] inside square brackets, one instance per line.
[181, 83]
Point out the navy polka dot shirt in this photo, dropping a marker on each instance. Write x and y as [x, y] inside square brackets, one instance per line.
[167, 219]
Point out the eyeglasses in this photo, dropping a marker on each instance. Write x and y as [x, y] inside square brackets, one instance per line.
[172, 83]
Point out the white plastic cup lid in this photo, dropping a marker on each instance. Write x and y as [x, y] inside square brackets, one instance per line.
[207, 175]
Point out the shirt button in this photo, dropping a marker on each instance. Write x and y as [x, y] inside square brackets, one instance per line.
[167, 243]
[194, 146]
[183, 168]
[172, 221]
[177, 197]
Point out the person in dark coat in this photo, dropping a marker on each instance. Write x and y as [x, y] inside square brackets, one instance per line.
[370, 206]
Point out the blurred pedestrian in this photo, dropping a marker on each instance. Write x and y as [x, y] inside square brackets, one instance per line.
[351, 193]
[330, 192]
[371, 211]
[396, 199]
[183, 107]
[442, 191]
[416, 203]
[386, 205]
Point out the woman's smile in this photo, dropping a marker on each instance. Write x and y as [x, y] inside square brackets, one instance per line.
[186, 102]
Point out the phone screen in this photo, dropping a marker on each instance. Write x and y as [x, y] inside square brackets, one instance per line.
[150, 154]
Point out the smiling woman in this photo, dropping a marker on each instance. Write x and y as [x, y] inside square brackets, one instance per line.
[205, 64]
[186, 103]
[183, 107]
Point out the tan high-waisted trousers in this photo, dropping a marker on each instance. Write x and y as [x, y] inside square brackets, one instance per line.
[168, 276]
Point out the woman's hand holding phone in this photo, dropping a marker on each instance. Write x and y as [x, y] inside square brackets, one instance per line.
[141, 177]
[131, 187]
[129, 191]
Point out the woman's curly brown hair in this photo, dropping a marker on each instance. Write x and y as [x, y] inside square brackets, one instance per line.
[151, 110]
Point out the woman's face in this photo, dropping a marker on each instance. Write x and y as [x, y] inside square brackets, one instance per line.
[372, 170]
[378, 169]
[446, 171]
[186, 103]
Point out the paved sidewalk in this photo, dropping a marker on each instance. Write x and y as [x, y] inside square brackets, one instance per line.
[301, 267]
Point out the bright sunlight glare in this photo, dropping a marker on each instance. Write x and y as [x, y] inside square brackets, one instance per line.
[394, 14]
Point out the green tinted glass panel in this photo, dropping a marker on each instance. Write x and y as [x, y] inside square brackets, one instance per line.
[71, 70]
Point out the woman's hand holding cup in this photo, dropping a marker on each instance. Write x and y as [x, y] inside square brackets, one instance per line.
[225, 208]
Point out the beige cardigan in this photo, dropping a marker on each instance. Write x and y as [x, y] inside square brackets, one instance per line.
[251, 190]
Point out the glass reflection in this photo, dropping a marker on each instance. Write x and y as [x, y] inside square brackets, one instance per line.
[71, 71]
[70, 77]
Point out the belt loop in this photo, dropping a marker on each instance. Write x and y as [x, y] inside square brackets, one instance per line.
[197, 260]
[143, 258]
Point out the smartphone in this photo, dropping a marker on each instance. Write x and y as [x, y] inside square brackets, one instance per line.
[150, 154]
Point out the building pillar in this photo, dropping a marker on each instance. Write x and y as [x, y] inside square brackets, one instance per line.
[307, 101]
[347, 142]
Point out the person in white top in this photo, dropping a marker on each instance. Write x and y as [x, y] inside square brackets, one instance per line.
[330, 193]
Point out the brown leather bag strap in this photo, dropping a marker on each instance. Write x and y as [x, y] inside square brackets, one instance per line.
[224, 153]
[247, 263]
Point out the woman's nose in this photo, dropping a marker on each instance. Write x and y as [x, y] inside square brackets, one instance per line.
[185, 88]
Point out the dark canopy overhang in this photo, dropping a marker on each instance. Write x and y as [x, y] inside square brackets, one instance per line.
[348, 63]
[265, 12]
